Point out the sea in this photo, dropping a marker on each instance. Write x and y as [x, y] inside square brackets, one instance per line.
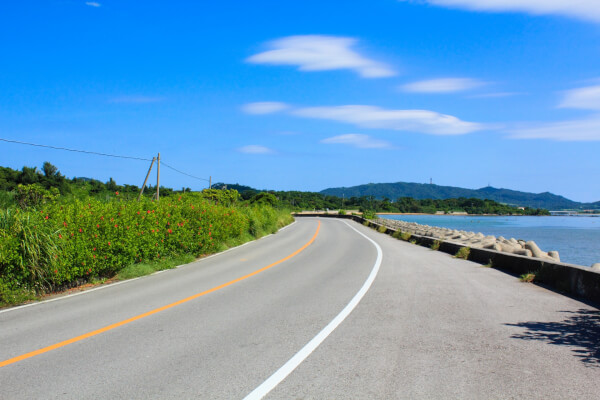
[576, 238]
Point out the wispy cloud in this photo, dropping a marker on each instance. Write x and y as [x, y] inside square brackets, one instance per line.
[496, 95]
[586, 98]
[264, 107]
[357, 140]
[136, 99]
[92, 4]
[442, 85]
[422, 121]
[255, 149]
[587, 129]
[582, 9]
[320, 53]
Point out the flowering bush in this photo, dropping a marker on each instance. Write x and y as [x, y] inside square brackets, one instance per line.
[65, 243]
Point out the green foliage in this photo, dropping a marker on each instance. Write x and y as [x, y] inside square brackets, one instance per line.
[436, 244]
[463, 253]
[67, 242]
[405, 236]
[489, 264]
[529, 277]
[227, 197]
[342, 212]
[264, 198]
[147, 268]
[382, 229]
[34, 195]
[368, 214]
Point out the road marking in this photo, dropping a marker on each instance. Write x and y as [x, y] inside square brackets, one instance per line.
[303, 354]
[133, 279]
[156, 310]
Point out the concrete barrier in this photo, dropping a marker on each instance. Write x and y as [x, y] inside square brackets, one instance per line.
[576, 280]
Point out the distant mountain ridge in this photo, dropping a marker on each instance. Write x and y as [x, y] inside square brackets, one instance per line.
[419, 191]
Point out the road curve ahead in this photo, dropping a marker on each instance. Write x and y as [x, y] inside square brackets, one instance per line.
[323, 309]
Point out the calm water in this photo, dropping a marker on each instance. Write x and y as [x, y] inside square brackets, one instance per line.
[577, 239]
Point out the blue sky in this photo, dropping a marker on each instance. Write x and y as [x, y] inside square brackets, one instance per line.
[308, 95]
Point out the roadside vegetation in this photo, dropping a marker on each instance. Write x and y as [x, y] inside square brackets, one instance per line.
[51, 242]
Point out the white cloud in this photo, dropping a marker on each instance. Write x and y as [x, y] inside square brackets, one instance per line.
[357, 140]
[92, 4]
[586, 98]
[575, 130]
[423, 121]
[583, 9]
[136, 99]
[442, 85]
[264, 107]
[496, 95]
[320, 53]
[254, 149]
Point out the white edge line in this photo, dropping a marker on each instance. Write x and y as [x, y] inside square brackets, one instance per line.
[133, 279]
[279, 375]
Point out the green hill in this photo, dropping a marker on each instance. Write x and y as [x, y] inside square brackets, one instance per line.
[397, 190]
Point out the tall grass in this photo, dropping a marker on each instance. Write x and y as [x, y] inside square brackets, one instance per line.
[63, 244]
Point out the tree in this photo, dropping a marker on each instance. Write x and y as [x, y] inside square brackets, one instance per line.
[49, 170]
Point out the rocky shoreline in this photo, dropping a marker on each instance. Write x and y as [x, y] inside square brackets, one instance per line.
[472, 239]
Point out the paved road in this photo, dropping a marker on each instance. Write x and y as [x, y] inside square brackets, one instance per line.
[429, 326]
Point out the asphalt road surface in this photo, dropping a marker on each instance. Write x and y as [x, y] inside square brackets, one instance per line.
[324, 309]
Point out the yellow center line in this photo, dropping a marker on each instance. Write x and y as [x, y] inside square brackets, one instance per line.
[155, 311]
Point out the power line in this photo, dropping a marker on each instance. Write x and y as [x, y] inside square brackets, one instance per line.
[183, 173]
[101, 154]
[75, 150]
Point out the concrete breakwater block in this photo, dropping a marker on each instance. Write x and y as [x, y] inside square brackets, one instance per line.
[475, 240]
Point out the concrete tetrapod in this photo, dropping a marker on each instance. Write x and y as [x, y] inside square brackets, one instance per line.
[472, 239]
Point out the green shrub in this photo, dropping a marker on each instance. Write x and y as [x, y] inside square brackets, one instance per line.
[369, 214]
[34, 195]
[63, 243]
[463, 253]
[382, 229]
[405, 236]
[436, 244]
[529, 277]
[342, 212]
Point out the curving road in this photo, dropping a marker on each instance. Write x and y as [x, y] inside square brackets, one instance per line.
[323, 309]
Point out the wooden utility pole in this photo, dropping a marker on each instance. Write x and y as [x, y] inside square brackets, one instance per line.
[210, 182]
[158, 177]
[146, 180]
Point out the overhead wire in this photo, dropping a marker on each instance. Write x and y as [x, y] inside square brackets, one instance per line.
[102, 154]
[75, 150]
[181, 172]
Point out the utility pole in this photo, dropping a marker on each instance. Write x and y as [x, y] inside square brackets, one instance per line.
[158, 178]
[210, 182]
[146, 180]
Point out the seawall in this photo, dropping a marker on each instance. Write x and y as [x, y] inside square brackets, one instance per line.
[575, 280]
